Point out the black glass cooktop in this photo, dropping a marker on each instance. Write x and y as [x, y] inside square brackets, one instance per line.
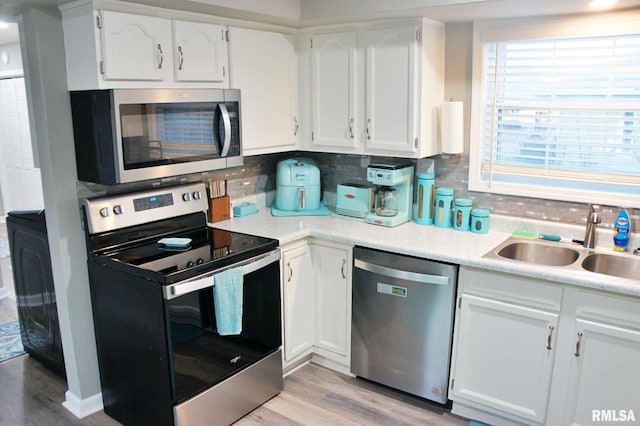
[142, 249]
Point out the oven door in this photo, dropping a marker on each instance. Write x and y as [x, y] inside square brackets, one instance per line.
[163, 133]
[200, 357]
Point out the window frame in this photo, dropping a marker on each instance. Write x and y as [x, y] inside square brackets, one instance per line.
[540, 28]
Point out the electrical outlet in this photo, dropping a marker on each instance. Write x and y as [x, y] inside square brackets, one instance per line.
[365, 160]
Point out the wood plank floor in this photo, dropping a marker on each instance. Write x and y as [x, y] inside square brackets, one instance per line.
[314, 395]
[32, 395]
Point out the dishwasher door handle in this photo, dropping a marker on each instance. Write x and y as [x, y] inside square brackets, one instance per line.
[403, 275]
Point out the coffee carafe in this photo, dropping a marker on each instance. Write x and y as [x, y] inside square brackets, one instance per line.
[386, 204]
[394, 200]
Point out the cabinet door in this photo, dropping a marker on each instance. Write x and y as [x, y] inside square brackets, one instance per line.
[331, 266]
[604, 374]
[263, 67]
[392, 89]
[200, 52]
[135, 47]
[297, 282]
[333, 90]
[504, 357]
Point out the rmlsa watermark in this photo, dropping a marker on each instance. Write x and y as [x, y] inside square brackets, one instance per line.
[613, 416]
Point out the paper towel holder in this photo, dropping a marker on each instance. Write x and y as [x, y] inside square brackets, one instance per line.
[452, 127]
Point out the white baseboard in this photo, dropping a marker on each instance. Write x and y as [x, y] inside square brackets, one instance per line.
[81, 408]
[331, 364]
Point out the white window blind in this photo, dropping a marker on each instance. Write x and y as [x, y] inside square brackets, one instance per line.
[560, 118]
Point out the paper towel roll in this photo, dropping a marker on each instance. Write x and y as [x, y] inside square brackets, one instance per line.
[452, 127]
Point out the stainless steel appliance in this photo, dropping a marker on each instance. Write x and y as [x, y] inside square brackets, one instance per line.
[127, 135]
[394, 197]
[153, 264]
[402, 321]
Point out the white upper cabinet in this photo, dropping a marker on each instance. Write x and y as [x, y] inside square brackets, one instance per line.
[134, 47]
[264, 68]
[200, 52]
[393, 91]
[336, 120]
[108, 49]
[376, 88]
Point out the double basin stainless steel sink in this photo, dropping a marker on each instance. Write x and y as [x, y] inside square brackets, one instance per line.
[566, 255]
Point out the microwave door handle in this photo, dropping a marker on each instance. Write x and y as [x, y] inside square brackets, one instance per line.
[227, 130]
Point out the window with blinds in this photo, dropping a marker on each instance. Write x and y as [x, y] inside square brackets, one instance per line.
[559, 118]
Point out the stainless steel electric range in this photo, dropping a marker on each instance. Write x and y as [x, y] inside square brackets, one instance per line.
[153, 263]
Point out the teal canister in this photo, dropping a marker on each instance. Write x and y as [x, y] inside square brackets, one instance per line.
[480, 221]
[426, 190]
[462, 214]
[443, 205]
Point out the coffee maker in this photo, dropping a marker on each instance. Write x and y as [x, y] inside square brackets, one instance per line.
[394, 195]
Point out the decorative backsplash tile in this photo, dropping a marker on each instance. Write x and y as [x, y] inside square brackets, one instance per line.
[258, 175]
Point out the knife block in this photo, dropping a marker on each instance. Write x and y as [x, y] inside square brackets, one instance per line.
[219, 209]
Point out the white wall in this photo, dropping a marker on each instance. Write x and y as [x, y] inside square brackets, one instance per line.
[50, 111]
[457, 72]
[13, 54]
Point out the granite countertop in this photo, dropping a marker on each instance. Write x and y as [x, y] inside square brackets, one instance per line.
[445, 245]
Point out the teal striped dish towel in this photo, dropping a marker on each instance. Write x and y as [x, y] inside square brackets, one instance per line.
[227, 300]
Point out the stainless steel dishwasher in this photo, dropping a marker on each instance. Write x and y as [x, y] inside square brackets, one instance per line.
[402, 321]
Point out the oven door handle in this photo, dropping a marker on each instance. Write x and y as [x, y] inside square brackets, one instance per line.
[206, 280]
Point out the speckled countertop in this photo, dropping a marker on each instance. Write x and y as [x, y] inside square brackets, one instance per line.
[446, 245]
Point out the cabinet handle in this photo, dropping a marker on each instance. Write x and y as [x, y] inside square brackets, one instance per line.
[549, 337]
[351, 128]
[368, 125]
[181, 58]
[290, 272]
[344, 262]
[297, 126]
[578, 345]
[161, 58]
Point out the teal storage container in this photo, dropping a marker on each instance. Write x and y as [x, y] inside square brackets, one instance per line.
[426, 192]
[462, 214]
[443, 208]
[480, 221]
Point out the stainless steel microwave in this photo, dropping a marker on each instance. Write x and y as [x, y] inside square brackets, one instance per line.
[128, 135]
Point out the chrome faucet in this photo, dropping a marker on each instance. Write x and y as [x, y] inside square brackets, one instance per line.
[593, 219]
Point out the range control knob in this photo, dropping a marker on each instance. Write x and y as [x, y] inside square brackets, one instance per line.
[197, 195]
[200, 261]
[104, 212]
[117, 209]
[190, 264]
[186, 196]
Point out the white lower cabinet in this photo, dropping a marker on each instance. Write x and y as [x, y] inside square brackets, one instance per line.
[316, 288]
[332, 273]
[534, 352]
[509, 362]
[297, 292]
[599, 372]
